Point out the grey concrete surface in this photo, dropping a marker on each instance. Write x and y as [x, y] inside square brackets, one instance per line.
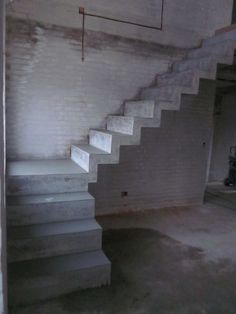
[36, 209]
[43, 167]
[53, 239]
[175, 261]
[193, 120]
[140, 108]
[35, 280]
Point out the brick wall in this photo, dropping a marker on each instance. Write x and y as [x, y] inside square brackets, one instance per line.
[53, 98]
[169, 168]
[186, 22]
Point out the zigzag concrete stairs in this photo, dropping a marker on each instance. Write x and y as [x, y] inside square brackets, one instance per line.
[54, 242]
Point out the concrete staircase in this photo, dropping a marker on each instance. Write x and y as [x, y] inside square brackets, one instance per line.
[54, 242]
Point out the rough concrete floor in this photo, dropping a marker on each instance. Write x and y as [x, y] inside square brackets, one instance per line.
[172, 261]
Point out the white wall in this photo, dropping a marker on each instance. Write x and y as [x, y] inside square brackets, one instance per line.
[169, 167]
[224, 137]
[53, 98]
[186, 22]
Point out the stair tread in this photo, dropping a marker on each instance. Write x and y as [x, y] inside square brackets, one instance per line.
[143, 102]
[48, 198]
[90, 149]
[111, 133]
[19, 271]
[215, 46]
[52, 229]
[131, 118]
[220, 38]
[43, 167]
[186, 60]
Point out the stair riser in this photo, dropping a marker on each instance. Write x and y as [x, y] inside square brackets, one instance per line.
[212, 51]
[101, 140]
[167, 104]
[112, 143]
[50, 212]
[219, 39]
[202, 65]
[48, 246]
[80, 157]
[134, 128]
[123, 125]
[168, 93]
[139, 109]
[42, 288]
[33, 185]
[187, 79]
[89, 162]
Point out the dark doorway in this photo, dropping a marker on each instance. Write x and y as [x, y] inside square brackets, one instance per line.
[234, 13]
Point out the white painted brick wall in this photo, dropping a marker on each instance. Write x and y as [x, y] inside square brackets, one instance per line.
[53, 98]
[186, 22]
[169, 168]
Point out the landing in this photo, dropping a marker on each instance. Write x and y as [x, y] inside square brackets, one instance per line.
[43, 167]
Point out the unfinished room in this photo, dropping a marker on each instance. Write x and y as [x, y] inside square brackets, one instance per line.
[118, 157]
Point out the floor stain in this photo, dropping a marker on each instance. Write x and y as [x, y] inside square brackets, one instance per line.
[151, 274]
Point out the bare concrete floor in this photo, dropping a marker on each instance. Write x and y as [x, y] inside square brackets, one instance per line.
[170, 261]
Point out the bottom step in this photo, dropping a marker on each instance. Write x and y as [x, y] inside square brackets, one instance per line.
[47, 278]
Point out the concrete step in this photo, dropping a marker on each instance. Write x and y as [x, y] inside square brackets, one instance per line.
[111, 141]
[53, 239]
[41, 279]
[187, 78]
[121, 124]
[208, 64]
[220, 38]
[46, 208]
[142, 109]
[42, 167]
[226, 49]
[34, 177]
[87, 156]
[166, 97]
[130, 125]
